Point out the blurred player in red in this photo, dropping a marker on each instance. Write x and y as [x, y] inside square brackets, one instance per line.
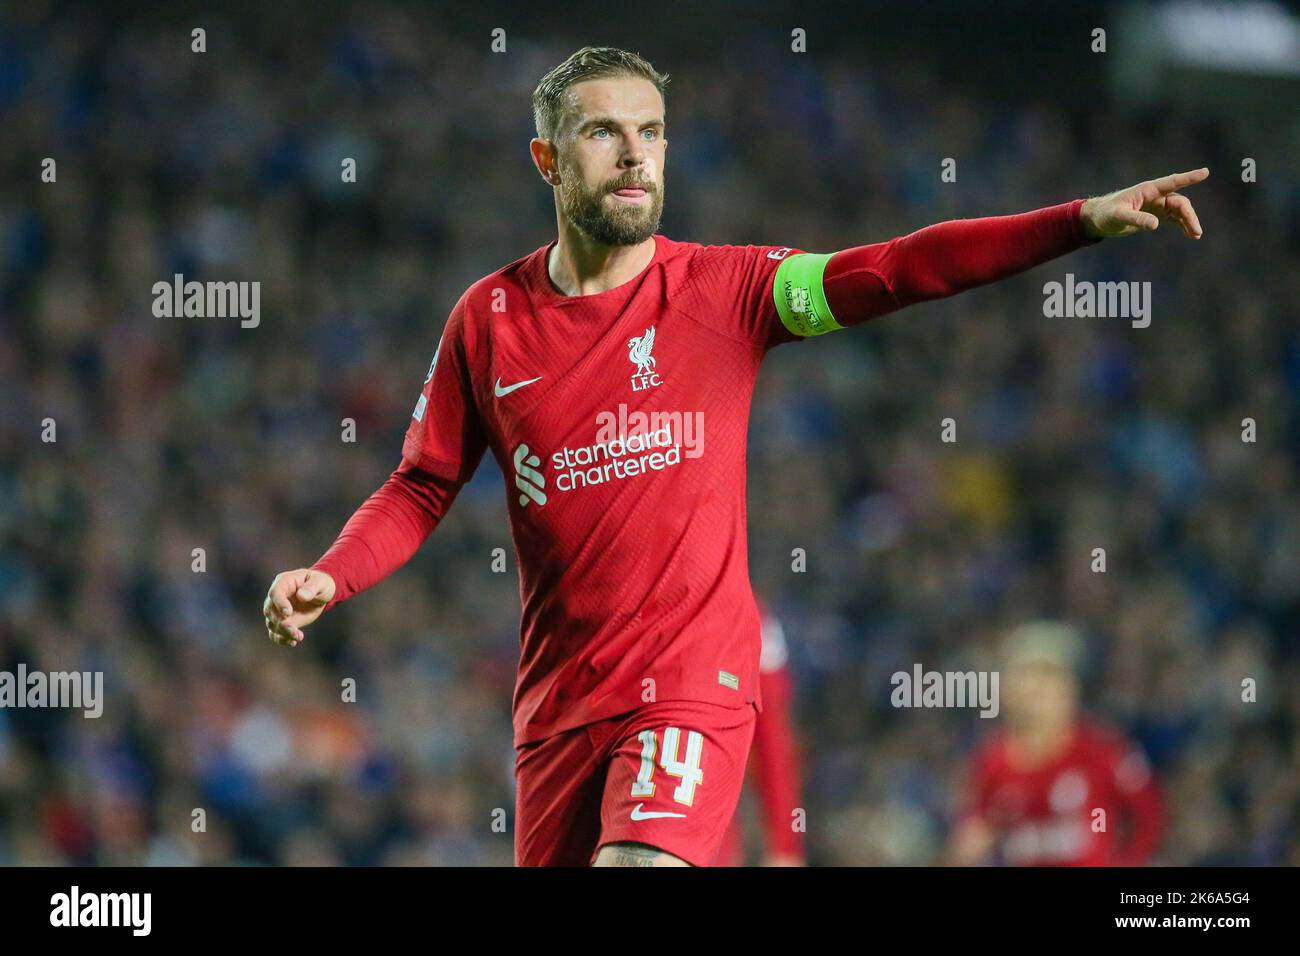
[773, 760]
[1055, 788]
[609, 374]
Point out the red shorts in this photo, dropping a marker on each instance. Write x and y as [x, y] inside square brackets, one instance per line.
[668, 775]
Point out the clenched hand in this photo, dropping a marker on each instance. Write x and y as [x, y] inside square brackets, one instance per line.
[296, 598]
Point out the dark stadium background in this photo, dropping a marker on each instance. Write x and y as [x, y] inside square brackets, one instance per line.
[175, 434]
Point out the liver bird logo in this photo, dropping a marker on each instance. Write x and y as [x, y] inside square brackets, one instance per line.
[638, 351]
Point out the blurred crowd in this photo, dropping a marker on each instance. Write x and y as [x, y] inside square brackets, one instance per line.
[216, 746]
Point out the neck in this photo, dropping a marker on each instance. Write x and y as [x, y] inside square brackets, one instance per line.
[579, 266]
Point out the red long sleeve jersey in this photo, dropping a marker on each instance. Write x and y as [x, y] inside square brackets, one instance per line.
[1047, 815]
[619, 422]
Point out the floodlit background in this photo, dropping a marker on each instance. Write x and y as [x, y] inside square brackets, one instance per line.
[175, 434]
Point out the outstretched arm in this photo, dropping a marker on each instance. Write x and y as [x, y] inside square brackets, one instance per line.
[816, 294]
[442, 446]
[378, 539]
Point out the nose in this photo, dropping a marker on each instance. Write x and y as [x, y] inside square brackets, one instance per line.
[634, 152]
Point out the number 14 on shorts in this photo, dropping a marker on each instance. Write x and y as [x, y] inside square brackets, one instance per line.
[687, 770]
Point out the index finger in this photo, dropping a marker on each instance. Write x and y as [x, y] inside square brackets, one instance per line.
[281, 589]
[1167, 184]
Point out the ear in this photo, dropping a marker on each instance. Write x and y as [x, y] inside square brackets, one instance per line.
[543, 154]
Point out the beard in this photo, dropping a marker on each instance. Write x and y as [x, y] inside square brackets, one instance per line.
[620, 225]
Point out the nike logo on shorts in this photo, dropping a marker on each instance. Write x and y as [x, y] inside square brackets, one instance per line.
[639, 814]
[502, 392]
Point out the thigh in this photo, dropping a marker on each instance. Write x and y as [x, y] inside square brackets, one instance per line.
[634, 854]
[558, 786]
[674, 778]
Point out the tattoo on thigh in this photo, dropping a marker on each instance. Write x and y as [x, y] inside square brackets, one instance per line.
[629, 854]
[636, 854]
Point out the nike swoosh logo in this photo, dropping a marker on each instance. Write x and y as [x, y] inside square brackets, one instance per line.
[502, 392]
[639, 814]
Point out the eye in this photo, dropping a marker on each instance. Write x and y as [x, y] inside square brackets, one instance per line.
[598, 131]
[649, 134]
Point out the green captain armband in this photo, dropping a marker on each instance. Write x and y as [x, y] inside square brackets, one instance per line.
[800, 299]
